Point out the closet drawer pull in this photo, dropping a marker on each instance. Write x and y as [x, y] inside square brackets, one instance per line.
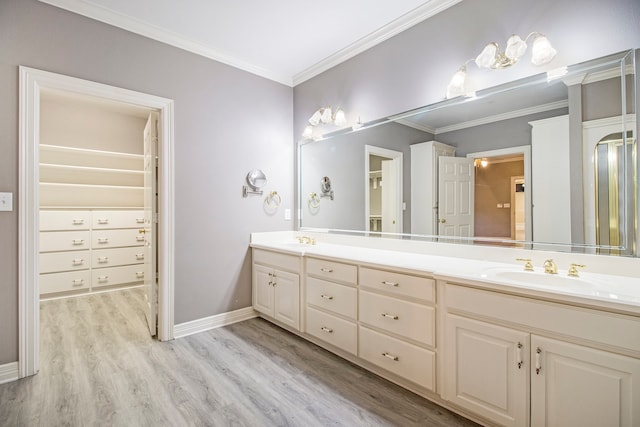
[390, 356]
[77, 261]
[103, 278]
[385, 282]
[139, 220]
[103, 259]
[77, 221]
[139, 274]
[327, 330]
[390, 316]
[326, 297]
[103, 221]
[103, 240]
[76, 242]
[77, 282]
[326, 270]
[139, 238]
[139, 256]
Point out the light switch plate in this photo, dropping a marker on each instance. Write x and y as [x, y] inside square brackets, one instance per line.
[6, 202]
[287, 214]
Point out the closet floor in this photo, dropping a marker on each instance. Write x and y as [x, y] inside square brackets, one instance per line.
[100, 367]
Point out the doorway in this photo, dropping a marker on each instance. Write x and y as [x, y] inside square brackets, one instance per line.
[383, 190]
[33, 83]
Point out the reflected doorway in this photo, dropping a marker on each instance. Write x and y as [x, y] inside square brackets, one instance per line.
[383, 190]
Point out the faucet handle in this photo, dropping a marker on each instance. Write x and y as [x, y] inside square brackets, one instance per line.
[573, 269]
[550, 267]
[527, 263]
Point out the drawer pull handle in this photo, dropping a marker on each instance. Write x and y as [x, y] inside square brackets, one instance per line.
[328, 330]
[103, 259]
[390, 356]
[77, 221]
[538, 364]
[385, 282]
[139, 274]
[103, 240]
[390, 316]
[139, 256]
[103, 278]
[103, 221]
[519, 355]
[77, 282]
[139, 220]
[77, 242]
[77, 261]
[326, 270]
[139, 238]
[327, 297]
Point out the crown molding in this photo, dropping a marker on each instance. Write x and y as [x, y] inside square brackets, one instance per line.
[108, 16]
[393, 28]
[419, 126]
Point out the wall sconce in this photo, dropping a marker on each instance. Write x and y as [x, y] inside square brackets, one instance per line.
[324, 115]
[483, 162]
[493, 58]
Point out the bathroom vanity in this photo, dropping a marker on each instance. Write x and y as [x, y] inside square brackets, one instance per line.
[473, 332]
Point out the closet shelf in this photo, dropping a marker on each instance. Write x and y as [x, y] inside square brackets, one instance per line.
[90, 195]
[53, 173]
[55, 154]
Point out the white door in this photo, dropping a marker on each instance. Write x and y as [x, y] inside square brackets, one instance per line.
[150, 225]
[389, 197]
[573, 385]
[455, 196]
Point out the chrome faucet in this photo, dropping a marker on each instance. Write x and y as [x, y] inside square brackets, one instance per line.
[550, 267]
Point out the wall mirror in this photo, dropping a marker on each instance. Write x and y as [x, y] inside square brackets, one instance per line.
[536, 163]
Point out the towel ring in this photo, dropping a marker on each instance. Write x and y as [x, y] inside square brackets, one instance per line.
[273, 200]
[314, 200]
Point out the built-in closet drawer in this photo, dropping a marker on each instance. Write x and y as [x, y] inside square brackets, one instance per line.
[51, 241]
[399, 357]
[117, 219]
[331, 329]
[331, 270]
[116, 238]
[333, 297]
[64, 220]
[51, 262]
[101, 258]
[403, 318]
[117, 275]
[400, 284]
[63, 282]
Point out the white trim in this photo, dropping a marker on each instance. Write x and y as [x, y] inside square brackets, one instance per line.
[419, 126]
[398, 159]
[32, 82]
[207, 323]
[504, 116]
[137, 26]
[9, 372]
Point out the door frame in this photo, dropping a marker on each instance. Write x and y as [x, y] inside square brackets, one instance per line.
[397, 157]
[32, 81]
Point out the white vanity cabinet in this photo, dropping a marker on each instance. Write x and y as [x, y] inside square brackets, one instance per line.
[276, 286]
[520, 361]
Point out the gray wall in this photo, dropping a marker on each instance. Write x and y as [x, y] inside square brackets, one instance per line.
[227, 122]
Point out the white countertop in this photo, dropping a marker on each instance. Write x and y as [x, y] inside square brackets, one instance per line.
[602, 291]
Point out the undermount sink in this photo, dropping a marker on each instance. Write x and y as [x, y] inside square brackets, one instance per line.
[539, 278]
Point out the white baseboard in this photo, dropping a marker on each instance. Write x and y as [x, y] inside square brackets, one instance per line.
[8, 372]
[212, 322]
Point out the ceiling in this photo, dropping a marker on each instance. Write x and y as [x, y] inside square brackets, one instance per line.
[288, 41]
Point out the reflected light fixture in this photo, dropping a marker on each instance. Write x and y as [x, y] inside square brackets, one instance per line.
[493, 58]
[483, 162]
[324, 115]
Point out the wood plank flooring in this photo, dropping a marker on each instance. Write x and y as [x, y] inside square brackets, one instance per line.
[100, 367]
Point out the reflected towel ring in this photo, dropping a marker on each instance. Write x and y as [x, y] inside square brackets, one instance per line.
[314, 200]
[273, 200]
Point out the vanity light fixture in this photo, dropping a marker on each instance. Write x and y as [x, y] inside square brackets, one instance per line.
[324, 115]
[493, 58]
[358, 124]
[483, 162]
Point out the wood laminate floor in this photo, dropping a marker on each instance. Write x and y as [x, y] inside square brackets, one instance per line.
[100, 367]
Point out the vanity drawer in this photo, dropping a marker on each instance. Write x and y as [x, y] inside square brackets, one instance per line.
[117, 219]
[117, 275]
[276, 259]
[404, 318]
[331, 270]
[337, 332]
[116, 238]
[64, 220]
[403, 359]
[398, 283]
[340, 299]
[63, 282]
[118, 256]
[52, 241]
[52, 262]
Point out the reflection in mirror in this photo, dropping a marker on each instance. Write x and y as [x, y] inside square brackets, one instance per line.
[538, 136]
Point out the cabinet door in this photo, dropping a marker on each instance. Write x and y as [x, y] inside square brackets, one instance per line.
[486, 370]
[263, 299]
[287, 298]
[572, 385]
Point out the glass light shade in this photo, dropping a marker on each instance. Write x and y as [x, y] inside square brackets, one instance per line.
[315, 119]
[488, 56]
[516, 47]
[542, 52]
[340, 119]
[326, 115]
[308, 132]
[456, 86]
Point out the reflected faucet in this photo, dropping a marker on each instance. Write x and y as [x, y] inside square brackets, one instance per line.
[306, 240]
[550, 267]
